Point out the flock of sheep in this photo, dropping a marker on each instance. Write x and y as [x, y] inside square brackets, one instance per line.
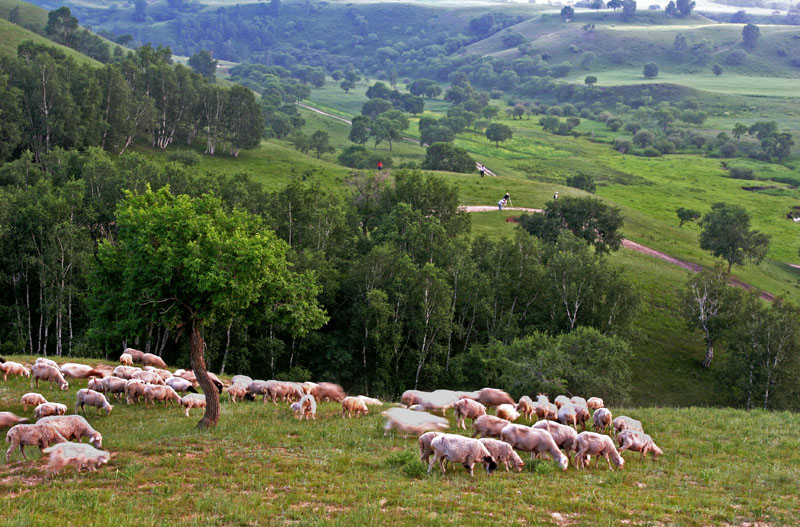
[555, 429]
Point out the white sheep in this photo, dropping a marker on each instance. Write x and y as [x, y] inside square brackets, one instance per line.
[409, 422]
[525, 406]
[488, 426]
[638, 442]
[113, 385]
[49, 362]
[624, 422]
[164, 374]
[193, 400]
[561, 400]
[563, 435]
[306, 407]
[47, 409]
[181, 385]
[568, 415]
[533, 440]
[48, 373]
[591, 443]
[7, 420]
[13, 368]
[125, 359]
[41, 435]
[235, 391]
[149, 377]
[462, 450]
[74, 427]
[92, 398]
[507, 412]
[79, 455]
[425, 449]
[80, 371]
[594, 403]
[467, 409]
[503, 453]
[165, 394]
[369, 401]
[134, 388]
[126, 372]
[32, 399]
[602, 420]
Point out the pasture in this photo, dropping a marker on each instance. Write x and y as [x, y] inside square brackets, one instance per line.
[262, 467]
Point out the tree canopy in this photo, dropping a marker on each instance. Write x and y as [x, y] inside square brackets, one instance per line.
[726, 234]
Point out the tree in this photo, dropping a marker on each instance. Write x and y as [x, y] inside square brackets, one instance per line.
[498, 132]
[629, 7]
[203, 63]
[726, 234]
[359, 130]
[184, 263]
[750, 34]
[243, 120]
[717, 69]
[567, 13]
[299, 141]
[590, 80]
[686, 215]
[650, 70]
[425, 88]
[778, 145]
[436, 134]
[62, 27]
[379, 91]
[346, 85]
[445, 156]
[319, 142]
[614, 4]
[738, 131]
[374, 107]
[671, 11]
[684, 7]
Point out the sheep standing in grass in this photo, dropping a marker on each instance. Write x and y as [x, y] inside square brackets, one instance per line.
[41, 435]
[493, 397]
[462, 450]
[164, 374]
[135, 355]
[150, 377]
[13, 368]
[507, 412]
[425, 449]
[328, 391]
[355, 405]
[79, 455]
[564, 436]
[193, 400]
[535, 441]
[582, 415]
[568, 415]
[546, 410]
[7, 420]
[577, 401]
[74, 427]
[148, 359]
[48, 409]
[125, 359]
[309, 387]
[48, 373]
[134, 388]
[638, 442]
[257, 388]
[409, 422]
[591, 443]
[370, 401]
[33, 400]
[624, 422]
[92, 398]
[467, 409]
[602, 420]
[126, 372]
[80, 371]
[503, 453]
[49, 362]
[235, 391]
[594, 403]
[112, 385]
[488, 426]
[410, 398]
[306, 407]
[526, 407]
[154, 393]
[95, 384]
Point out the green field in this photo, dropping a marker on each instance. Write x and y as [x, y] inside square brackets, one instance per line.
[261, 467]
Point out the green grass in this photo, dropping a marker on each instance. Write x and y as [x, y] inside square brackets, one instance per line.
[261, 467]
[30, 15]
[13, 35]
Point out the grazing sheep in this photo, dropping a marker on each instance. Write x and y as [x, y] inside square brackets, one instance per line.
[95, 384]
[50, 374]
[92, 398]
[309, 387]
[467, 409]
[125, 359]
[488, 426]
[602, 420]
[7, 420]
[79, 455]
[284, 391]
[493, 397]
[590, 443]
[48, 409]
[533, 440]
[306, 407]
[241, 380]
[148, 359]
[235, 391]
[503, 453]
[80, 371]
[257, 388]
[564, 436]
[188, 375]
[577, 401]
[638, 442]
[353, 404]
[113, 385]
[218, 383]
[546, 410]
[525, 406]
[33, 400]
[193, 400]
[74, 427]
[126, 372]
[582, 415]
[568, 415]
[41, 435]
[462, 450]
[542, 398]
[507, 412]
[13, 368]
[49, 362]
[164, 374]
[409, 422]
[181, 385]
[150, 377]
[561, 400]
[594, 403]
[410, 397]
[136, 355]
[328, 391]
[165, 394]
[425, 449]
[624, 422]
[369, 401]
[133, 389]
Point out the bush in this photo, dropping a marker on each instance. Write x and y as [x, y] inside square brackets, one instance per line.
[357, 156]
[665, 146]
[614, 124]
[623, 146]
[555, 110]
[186, 157]
[651, 152]
[445, 156]
[728, 149]
[633, 127]
[496, 94]
[644, 138]
[736, 58]
[742, 173]
[583, 182]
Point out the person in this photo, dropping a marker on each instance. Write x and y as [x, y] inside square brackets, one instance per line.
[555, 196]
[507, 198]
[483, 170]
[380, 165]
[501, 203]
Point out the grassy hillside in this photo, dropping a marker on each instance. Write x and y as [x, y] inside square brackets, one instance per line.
[14, 35]
[30, 15]
[261, 467]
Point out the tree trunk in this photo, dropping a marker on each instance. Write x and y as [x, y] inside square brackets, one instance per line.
[198, 362]
[709, 354]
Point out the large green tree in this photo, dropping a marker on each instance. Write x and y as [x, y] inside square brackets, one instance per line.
[726, 234]
[498, 133]
[203, 63]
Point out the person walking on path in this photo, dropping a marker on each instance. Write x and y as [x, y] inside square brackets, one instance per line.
[501, 204]
[380, 165]
[507, 198]
[555, 196]
[483, 170]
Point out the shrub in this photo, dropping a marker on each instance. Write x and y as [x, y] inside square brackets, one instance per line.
[614, 124]
[736, 58]
[742, 173]
[644, 138]
[651, 152]
[496, 94]
[633, 127]
[728, 149]
[357, 156]
[445, 156]
[569, 109]
[555, 110]
[665, 146]
[583, 182]
[623, 146]
[186, 157]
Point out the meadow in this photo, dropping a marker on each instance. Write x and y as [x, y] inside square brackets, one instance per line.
[259, 466]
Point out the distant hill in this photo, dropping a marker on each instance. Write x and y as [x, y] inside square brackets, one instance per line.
[14, 35]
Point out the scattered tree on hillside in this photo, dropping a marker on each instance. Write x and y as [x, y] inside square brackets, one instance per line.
[650, 70]
[359, 130]
[590, 80]
[425, 88]
[671, 10]
[498, 133]
[717, 69]
[597, 4]
[739, 130]
[319, 142]
[567, 13]
[686, 215]
[62, 27]
[685, 7]
[629, 7]
[750, 34]
[582, 181]
[445, 156]
[614, 4]
[346, 85]
[726, 234]
[203, 63]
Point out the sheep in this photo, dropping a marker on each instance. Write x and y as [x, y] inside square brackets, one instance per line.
[95, 384]
[503, 453]
[507, 412]
[305, 407]
[624, 422]
[79, 455]
[125, 359]
[47, 409]
[7, 420]
[638, 442]
[533, 440]
[369, 401]
[256, 388]
[48, 373]
[582, 415]
[149, 377]
[568, 415]
[488, 426]
[181, 385]
[564, 436]
[602, 420]
[525, 406]
[594, 403]
[155, 393]
[188, 375]
[460, 449]
[424, 442]
[136, 355]
[354, 404]
[493, 397]
[216, 382]
[308, 387]
[591, 443]
[577, 401]
[410, 397]
[113, 385]
[32, 399]
[92, 398]
[284, 391]
[74, 427]
[164, 374]
[235, 391]
[328, 391]
[13, 368]
[546, 411]
[193, 400]
[467, 409]
[409, 422]
[241, 380]
[148, 359]
[133, 389]
[561, 400]
[542, 398]
[80, 371]
[126, 372]
[41, 435]
[49, 362]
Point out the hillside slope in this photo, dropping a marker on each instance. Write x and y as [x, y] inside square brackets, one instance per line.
[13, 35]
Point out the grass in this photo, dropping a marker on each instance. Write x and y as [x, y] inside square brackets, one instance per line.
[261, 467]
[13, 35]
